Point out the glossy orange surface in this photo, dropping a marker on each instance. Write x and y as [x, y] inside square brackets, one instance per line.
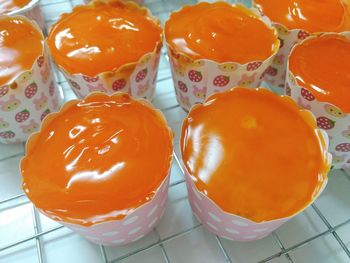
[7, 6]
[101, 38]
[253, 154]
[220, 32]
[20, 45]
[310, 15]
[322, 66]
[98, 160]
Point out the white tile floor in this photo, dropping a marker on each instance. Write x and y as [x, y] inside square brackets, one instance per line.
[320, 234]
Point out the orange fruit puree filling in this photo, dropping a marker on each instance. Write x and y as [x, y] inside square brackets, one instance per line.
[322, 66]
[98, 160]
[220, 32]
[253, 153]
[310, 15]
[101, 38]
[20, 45]
[7, 6]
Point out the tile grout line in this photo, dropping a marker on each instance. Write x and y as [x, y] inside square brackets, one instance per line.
[305, 242]
[280, 244]
[37, 229]
[103, 254]
[336, 236]
[223, 250]
[165, 255]
[182, 233]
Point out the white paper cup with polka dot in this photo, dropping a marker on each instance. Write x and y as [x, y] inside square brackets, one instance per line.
[237, 228]
[138, 78]
[130, 229]
[138, 222]
[195, 80]
[32, 11]
[329, 117]
[27, 99]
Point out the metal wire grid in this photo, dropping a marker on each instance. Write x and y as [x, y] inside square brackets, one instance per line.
[20, 200]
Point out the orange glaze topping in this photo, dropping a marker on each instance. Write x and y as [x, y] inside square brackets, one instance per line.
[310, 15]
[253, 154]
[20, 45]
[7, 6]
[220, 32]
[98, 160]
[102, 37]
[322, 66]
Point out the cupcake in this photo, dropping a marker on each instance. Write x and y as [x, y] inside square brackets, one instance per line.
[297, 19]
[108, 46]
[319, 80]
[214, 46]
[107, 174]
[28, 8]
[238, 166]
[27, 88]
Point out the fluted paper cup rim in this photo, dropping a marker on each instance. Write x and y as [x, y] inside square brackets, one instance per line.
[43, 51]
[130, 4]
[253, 10]
[320, 35]
[34, 137]
[322, 137]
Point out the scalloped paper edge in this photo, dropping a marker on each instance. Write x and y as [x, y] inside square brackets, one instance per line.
[327, 160]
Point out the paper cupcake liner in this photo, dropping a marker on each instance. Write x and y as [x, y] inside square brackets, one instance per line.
[138, 222]
[130, 229]
[137, 79]
[195, 80]
[32, 11]
[237, 228]
[329, 117]
[275, 75]
[25, 101]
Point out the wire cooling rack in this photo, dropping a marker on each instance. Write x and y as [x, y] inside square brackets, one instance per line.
[319, 234]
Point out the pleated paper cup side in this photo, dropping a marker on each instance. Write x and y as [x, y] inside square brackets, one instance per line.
[195, 80]
[329, 117]
[27, 99]
[276, 74]
[138, 78]
[237, 228]
[138, 222]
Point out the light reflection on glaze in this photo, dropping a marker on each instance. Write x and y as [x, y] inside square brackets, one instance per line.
[246, 149]
[220, 32]
[20, 45]
[92, 40]
[322, 66]
[310, 15]
[99, 160]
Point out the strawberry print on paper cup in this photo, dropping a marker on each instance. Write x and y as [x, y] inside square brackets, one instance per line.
[298, 29]
[27, 98]
[137, 78]
[32, 11]
[330, 117]
[196, 79]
